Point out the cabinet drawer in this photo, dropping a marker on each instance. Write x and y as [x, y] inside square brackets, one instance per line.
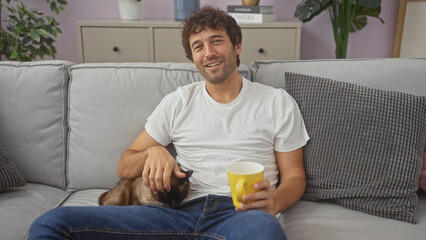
[115, 44]
[167, 45]
[266, 44]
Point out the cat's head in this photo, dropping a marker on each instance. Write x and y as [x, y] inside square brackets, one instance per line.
[179, 191]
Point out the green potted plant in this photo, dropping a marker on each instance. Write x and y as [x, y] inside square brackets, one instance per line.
[346, 16]
[28, 33]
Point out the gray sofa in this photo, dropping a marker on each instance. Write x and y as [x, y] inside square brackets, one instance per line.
[64, 127]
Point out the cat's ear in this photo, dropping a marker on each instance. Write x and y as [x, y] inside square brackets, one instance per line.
[188, 173]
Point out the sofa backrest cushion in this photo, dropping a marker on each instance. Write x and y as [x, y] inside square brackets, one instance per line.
[32, 120]
[366, 145]
[395, 74]
[108, 108]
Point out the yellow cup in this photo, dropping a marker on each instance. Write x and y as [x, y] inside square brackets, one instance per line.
[242, 176]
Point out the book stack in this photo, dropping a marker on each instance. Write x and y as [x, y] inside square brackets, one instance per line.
[252, 14]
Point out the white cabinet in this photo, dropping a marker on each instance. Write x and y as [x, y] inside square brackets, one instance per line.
[159, 41]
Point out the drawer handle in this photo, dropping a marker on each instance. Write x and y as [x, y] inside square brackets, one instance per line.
[261, 50]
[115, 49]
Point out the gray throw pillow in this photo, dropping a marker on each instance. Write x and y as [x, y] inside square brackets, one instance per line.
[9, 175]
[366, 146]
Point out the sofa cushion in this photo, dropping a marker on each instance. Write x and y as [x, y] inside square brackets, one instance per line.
[33, 97]
[9, 175]
[88, 197]
[108, 107]
[366, 145]
[395, 74]
[20, 207]
[323, 220]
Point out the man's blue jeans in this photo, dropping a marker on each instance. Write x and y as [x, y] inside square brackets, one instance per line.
[210, 217]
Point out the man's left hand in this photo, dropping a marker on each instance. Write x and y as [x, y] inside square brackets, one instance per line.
[261, 200]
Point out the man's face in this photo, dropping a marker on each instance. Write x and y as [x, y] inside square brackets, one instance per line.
[214, 55]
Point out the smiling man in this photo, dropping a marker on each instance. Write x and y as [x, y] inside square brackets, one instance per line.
[222, 120]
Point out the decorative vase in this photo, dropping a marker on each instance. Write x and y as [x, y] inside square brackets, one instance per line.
[184, 8]
[129, 9]
[250, 2]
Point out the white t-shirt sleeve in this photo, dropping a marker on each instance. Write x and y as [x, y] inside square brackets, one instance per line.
[289, 127]
[159, 124]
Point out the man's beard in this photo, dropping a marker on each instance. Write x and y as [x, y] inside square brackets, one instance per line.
[226, 70]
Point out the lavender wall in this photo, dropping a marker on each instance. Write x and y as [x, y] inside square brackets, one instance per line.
[375, 40]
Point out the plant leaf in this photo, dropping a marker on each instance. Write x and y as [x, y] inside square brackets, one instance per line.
[63, 2]
[38, 24]
[358, 23]
[372, 4]
[308, 9]
[20, 10]
[360, 20]
[53, 5]
[364, 11]
[11, 10]
[41, 32]
[14, 55]
[35, 35]
[17, 31]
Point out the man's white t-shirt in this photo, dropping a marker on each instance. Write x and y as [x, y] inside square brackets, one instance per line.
[209, 135]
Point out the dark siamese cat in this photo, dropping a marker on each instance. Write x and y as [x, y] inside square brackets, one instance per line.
[134, 192]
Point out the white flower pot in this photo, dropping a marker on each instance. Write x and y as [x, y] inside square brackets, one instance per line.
[129, 9]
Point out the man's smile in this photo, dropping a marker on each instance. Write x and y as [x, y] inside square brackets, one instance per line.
[213, 64]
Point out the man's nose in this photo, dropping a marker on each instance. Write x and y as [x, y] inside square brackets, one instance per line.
[210, 51]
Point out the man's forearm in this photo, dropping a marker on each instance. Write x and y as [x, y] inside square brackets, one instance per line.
[288, 193]
[293, 179]
[131, 164]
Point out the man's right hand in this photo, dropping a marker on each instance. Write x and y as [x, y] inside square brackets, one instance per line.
[151, 159]
[158, 168]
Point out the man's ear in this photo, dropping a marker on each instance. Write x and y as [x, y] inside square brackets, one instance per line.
[238, 47]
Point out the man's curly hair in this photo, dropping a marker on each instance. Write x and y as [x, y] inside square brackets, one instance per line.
[209, 17]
